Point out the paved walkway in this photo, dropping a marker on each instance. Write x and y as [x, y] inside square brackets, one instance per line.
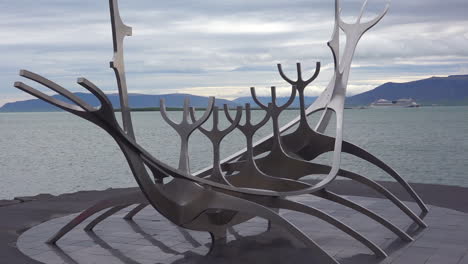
[17, 218]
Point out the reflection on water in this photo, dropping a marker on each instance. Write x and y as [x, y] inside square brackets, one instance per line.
[59, 153]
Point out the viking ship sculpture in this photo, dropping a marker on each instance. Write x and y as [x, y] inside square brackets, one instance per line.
[254, 182]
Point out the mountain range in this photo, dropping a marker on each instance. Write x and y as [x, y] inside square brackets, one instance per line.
[135, 101]
[279, 100]
[451, 90]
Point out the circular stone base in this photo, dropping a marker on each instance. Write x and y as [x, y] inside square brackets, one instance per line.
[151, 239]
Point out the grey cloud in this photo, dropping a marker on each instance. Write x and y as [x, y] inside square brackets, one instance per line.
[181, 45]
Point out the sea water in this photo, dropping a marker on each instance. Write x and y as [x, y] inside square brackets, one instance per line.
[61, 153]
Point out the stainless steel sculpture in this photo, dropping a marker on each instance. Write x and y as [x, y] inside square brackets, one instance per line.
[242, 186]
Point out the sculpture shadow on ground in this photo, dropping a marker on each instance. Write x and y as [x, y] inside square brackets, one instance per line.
[268, 247]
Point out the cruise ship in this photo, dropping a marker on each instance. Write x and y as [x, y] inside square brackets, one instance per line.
[404, 102]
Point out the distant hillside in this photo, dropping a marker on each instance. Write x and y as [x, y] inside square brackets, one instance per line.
[451, 90]
[135, 101]
[267, 99]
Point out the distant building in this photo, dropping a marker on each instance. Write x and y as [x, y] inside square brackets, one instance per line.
[404, 102]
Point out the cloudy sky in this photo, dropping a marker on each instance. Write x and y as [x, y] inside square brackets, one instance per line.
[222, 47]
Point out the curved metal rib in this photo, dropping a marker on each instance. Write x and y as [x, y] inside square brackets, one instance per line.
[135, 197]
[300, 85]
[106, 105]
[215, 128]
[57, 88]
[325, 194]
[298, 207]
[362, 27]
[74, 109]
[327, 145]
[275, 111]
[297, 171]
[278, 155]
[215, 135]
[365, 155]
[236, 204]
[382, 190]
[249, 176]
[275, 107]
[185, 129]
